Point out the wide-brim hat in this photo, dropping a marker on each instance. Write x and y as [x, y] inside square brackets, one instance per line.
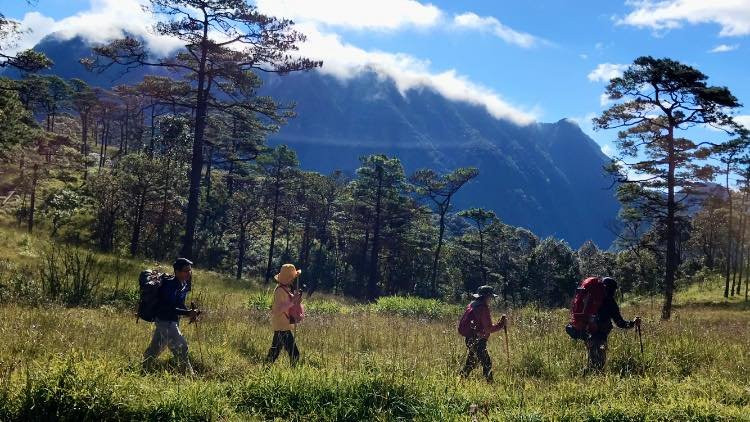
[483, 291]
[287, 274]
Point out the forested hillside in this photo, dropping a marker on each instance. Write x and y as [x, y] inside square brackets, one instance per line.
[536, 176]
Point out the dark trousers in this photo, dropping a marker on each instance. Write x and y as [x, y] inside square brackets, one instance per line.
[477, 348]
[283, 339]
[597, 347]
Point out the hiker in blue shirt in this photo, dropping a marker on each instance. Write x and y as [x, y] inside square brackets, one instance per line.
[171, 305]
[609, 312]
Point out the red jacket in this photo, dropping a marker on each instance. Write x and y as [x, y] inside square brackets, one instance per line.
[483, 319]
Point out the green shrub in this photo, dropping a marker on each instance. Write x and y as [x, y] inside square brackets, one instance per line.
[532, 364]
[260, 301]
[324, 307]
[18, 284]
[70, 275]
[411, 306]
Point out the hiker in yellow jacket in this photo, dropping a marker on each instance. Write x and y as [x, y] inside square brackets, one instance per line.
[286, 310]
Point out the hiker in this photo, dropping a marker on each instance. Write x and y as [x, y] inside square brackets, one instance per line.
[286, 311]
[476, 326]
[593, 321]
[170, 306]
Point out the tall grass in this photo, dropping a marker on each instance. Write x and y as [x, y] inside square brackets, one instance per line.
[396, 359]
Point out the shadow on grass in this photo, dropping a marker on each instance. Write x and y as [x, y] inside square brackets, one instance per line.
[733, 306]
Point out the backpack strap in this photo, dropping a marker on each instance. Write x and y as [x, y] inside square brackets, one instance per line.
[283, 287]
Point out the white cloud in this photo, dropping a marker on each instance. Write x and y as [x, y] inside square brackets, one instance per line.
[388, 15]
[604, 100]
[583, 56]
[377, 15]
[744, 120]
[490, 24]
[104, 21]
[606, 71]
[109, 19]
[732, 15]
[345, 61]
[31, 36]
[607, 150]
[723, 48]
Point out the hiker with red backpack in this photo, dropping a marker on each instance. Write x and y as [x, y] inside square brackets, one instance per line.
[476, 326]
[166, 296]
[286, 312]
[591, 314]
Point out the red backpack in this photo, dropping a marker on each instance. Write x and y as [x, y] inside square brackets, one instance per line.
[467, 325]
[588, 299]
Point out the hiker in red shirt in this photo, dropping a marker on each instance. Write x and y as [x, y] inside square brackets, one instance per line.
[476, 326]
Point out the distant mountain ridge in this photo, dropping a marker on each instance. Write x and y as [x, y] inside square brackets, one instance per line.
[547, 177]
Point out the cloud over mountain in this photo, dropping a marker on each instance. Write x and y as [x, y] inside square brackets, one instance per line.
[109, 19]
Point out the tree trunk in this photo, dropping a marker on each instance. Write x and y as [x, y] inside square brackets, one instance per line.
[230, 170]
[230, 179]
[153, 133]
[274, 224]
[136, 236]
[84, 143]
[671, 258]
[436, 259]
[739, 262]
[360, 276]
[372, 286]
[103, 144]
[126, 129]
[241, 249]
[287, 234]
[729, 237]
[207, 183]
[196, 165]
[481, 256]
[304, 250]
[32, 201]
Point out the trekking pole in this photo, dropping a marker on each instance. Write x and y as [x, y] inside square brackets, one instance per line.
[640, 337]
[198, 335]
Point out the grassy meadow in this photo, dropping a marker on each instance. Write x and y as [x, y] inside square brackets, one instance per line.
[396, 359]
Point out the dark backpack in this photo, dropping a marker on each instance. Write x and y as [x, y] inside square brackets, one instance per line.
[467, 325]
[586, 303]
[148, 302]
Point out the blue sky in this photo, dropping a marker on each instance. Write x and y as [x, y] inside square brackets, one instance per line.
[522, 59]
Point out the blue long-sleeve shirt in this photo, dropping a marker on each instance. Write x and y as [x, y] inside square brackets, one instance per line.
[607, 313]
[172, 296]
